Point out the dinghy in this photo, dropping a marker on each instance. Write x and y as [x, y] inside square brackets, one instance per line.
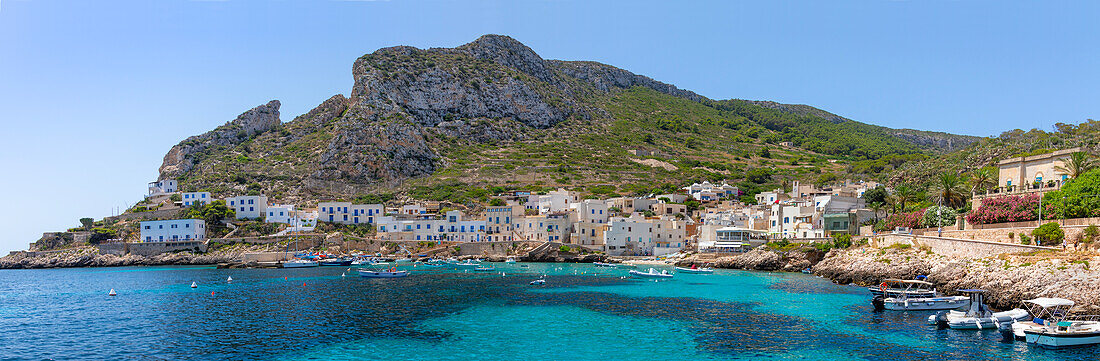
[390, 273]
[651, 273]
[693, 269]
[978, 316]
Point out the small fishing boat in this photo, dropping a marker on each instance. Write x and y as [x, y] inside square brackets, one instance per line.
[360, 263]
[392, 272]
[977, 316]
[510, 260]
[808, 271]
[904, 302]
[626, 265]
[299, 263]
[1042, 310]
[1053, 327]
[896, 287]
[651, 273]
[467, 264]
[484, 269]
[335, 262]
[603, 264]
[538, 282]
[693, 269]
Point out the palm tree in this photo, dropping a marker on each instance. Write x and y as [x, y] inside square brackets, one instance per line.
[981, 180]
[950, 189]
[903, 195]
[1077, 164]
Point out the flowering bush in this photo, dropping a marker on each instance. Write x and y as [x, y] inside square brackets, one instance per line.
[911, 220]
[1006, 209]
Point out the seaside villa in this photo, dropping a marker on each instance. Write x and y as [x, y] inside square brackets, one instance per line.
[173, 230]
[248, 207]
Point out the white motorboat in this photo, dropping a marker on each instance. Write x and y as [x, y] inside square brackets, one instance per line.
[510, 260]
[702, 270]
[484, 269]
[467, 264]
[977, 316]
[390, 273]
[299, 263]
[360, 263]
[603, 264]
[1042, 310]
[905, 301]
[651, 273]
[896, 287]
[538, 282]
[1052, 326]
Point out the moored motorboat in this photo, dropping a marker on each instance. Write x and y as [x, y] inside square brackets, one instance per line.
[1053, 327]
[538, 282]
[299, 263]
[510, 260]
[1042, 310]
[392, 272]
[467, 264]
[651, 273]
[977, 316]
[603, 264]
[335, 262]
[484, 269]
[896, 287]
[904, 301]
[693, 269]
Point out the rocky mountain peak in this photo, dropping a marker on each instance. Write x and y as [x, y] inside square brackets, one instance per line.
[259, 119]
[506, 51]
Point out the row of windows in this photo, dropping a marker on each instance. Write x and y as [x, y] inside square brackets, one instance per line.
[161, 226]
[174, 237]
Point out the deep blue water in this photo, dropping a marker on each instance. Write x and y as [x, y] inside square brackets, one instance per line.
[582, 313]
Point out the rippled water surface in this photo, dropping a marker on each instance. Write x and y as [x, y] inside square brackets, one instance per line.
[582, 313]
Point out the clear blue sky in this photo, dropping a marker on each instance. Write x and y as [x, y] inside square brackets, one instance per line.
[92, 94]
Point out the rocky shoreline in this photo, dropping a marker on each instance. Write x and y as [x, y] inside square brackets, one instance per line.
[89, 256]
[1009, 279]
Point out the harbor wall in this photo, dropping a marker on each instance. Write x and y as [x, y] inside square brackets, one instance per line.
[955, 247]
[150, 248]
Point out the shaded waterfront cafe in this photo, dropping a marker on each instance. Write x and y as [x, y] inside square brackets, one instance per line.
[736, 240]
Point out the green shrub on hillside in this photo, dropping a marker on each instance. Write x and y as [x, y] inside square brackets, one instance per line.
[1049, 234]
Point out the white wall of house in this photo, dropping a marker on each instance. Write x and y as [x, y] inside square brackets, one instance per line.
[280, 214]
[348, 213]
[163, 187]
[629, 236]
[248, 207]
[195, 198]
[174, 230]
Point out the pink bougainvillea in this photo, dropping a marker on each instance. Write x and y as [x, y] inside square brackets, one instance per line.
[911, 220]
[1007, 209]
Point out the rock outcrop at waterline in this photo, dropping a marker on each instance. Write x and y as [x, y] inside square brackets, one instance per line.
[90, 257]
[762, 259]
[1009, 280]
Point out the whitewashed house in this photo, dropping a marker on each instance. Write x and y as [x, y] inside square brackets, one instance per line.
[248, 207]
[174, 230]
[195, 198]
[452, 227]
[165, 186]
[498, 223]
[348, 213]
[631, 236]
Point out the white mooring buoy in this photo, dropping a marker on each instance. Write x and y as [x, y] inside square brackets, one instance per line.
[343, 275]
[194, 285]
[112, 293]
[230, 279]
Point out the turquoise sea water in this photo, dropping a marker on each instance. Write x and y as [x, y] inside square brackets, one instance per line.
[582, 313]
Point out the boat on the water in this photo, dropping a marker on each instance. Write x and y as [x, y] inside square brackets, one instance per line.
[651, 273]
[382, 273]
[467, 264]
[299, 263]
[510, 260]
[977, 316]
[538, 282]
[903, 301]
[484, 269]
[896, 287]
[333, 262]
[603, 264]
[1051, 325]
[693, 269]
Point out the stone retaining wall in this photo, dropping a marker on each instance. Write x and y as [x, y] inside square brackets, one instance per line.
[171, 213]
[955, 247]
[150, 248]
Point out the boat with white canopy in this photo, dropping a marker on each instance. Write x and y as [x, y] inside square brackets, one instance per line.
[977, 316]
[915, 301]
[1053, 326]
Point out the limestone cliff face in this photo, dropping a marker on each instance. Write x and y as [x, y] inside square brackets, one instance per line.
[181, 158]
[490, 90]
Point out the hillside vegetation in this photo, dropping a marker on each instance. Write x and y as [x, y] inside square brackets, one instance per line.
[449, 122]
